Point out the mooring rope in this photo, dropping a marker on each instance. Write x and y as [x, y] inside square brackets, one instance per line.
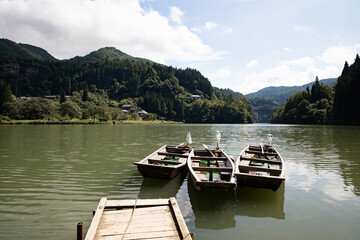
[132, 214]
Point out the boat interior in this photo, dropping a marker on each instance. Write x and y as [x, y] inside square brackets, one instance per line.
[254, 161]
[210, 167]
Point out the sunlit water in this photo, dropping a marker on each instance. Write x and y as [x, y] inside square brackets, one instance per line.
[52, 177]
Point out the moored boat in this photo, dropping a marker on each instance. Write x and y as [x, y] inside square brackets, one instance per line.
[166, 162]
[260, 166]
[211, 169]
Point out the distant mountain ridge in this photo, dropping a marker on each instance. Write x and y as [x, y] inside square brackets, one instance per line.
[281, 94]
[9, 48]
[110, 53]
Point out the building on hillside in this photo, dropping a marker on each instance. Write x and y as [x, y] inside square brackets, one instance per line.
[142, 113]
[194, 97]
[128, 108]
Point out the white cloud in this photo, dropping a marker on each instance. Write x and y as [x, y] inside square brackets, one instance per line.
[301, 29]
[284, 75]
[228, 30]
[252, 63]
[210, 26]
[67, 28]
[206, 27]
[287, 49]
[303, 61]
[223, 73]
[337, 55]
[176, 15]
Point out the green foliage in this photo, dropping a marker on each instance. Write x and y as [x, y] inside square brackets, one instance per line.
[307, 107]
[134, 116]
[62, 96]
[70, 109]
[346, 108]
[150, 117]
[111, 74]
[38, 108]
[85, 97]
[5, 93]
[262, 103]
[282, 94]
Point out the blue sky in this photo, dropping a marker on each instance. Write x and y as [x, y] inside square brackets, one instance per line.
[243, 45]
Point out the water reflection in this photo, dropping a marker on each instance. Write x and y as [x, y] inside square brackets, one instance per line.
[53, 176]
[212, 209]
[161, 188]
[257, 202]
[217, 209]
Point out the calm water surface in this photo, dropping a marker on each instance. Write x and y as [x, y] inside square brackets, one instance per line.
[51, 177]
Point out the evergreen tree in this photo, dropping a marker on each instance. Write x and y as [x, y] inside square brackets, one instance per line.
[62, 96]
[85, 96]
[5, 93]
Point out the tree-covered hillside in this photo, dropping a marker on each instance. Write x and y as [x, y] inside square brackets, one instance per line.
[11, 49]
[163, 90]
[346, 108]
[323, 104]
[281, 94]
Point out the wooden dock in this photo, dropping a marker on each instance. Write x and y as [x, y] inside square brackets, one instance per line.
[138, 219]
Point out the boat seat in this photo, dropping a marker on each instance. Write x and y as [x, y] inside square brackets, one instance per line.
[224, 175]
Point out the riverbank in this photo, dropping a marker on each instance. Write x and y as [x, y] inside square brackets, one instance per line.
[87, 121]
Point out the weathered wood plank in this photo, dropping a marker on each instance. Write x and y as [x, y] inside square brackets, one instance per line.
[150, 160]
[139, 203]
[96, 220]
[180, 220]
[173, 154]
[253, 168]
[208, 158]
[147, 235]
[150, 219]
[213, 169]
[259, 152]
[261, 160]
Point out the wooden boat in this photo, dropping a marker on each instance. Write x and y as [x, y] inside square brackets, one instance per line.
[261, 167]
[166, 162]
[138, 219]
[211, 169]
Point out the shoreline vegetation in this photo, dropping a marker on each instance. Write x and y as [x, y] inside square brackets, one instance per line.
[83, 122]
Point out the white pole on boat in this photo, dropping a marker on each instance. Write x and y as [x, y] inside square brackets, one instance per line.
[262, 148]
[188, 138]
[218, 138]
[270, 138]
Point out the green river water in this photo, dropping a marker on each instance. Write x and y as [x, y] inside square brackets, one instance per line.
[53, 176]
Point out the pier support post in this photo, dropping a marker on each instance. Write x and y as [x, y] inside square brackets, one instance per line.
[80, 232]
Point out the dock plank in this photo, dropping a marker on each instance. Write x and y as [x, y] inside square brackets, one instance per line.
[138, 219]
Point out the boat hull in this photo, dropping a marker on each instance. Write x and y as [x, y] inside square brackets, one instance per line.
[258, 181]
[271, 180]
[202, 185]
[159, 164]
[153, 171]
[196, 172]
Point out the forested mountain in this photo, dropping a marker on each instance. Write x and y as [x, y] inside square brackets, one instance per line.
[109, 53]
[261, 107]
[157, 88]
[281, 94]
[18, 50]
[307, 106]
[323, 104]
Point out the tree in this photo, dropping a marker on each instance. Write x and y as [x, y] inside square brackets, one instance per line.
[5, 93]
[85, 96]
[62, 97]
